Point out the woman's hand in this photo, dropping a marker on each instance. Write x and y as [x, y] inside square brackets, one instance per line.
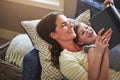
[107, 34]
[106, 2]
[103, 39]
[101, 44]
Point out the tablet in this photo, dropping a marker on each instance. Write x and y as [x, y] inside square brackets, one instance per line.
[108, 18]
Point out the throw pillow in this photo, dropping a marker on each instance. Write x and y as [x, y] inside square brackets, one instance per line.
[49, 72]
[18, 48]
[84, 17]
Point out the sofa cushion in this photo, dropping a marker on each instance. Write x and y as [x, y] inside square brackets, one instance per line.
[114, 58]
[31, 66]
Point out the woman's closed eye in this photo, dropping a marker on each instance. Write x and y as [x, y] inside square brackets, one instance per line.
[64, 24]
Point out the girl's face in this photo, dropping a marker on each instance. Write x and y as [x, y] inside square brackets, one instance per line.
[64, 30]
[86, 34]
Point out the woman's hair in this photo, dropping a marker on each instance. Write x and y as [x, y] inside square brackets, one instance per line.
[44, 28]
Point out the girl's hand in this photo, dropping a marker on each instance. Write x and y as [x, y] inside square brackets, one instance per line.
[106, 2]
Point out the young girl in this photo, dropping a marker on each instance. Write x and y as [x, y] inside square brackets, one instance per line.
[86, 37]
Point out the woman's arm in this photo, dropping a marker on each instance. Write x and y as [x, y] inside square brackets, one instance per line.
[94, 63]
[104, 73]
[98, 57]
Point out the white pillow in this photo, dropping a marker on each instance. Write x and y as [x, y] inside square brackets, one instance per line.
[18, 48]
[49, 72]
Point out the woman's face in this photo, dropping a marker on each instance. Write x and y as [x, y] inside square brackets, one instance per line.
[64, 30]
[86, 34]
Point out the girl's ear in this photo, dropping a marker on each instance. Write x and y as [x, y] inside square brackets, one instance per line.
[53, 35]
[80, 43]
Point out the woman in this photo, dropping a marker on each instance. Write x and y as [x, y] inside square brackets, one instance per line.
[57, 31]
[27, 72]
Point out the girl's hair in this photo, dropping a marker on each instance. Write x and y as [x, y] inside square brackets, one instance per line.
[44, 28]
[76, 39]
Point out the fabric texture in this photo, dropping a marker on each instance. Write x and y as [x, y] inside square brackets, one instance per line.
[84, 17]
[49, 71]
[77, 66]
[114, 58]
[31, 66]
[18, 48]
[87, 47]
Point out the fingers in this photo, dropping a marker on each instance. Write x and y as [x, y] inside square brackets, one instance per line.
[106, 2]
[107, 33]
[105, 42]
[102, 41]
[100, 32]
[101, 44]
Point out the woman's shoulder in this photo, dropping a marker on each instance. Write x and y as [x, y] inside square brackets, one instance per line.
[71, 55]
[68, 57]
[66, 52]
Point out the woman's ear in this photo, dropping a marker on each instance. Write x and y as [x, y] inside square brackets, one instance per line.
[53, 35]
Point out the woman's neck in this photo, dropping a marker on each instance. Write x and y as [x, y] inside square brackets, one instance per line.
[71, 46]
